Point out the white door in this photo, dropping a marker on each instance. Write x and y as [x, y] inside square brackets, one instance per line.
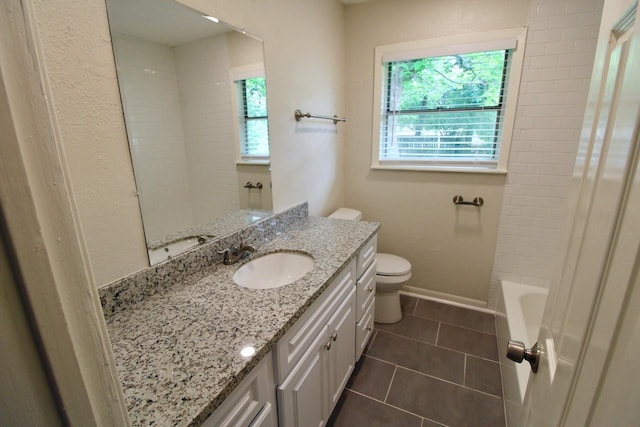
[591, 322]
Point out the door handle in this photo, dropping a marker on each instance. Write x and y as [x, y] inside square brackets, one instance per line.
[517, 352]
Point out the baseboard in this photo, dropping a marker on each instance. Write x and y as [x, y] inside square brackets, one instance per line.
[445, 298]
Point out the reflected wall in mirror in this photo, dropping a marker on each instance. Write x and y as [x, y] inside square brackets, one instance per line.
[194, 99]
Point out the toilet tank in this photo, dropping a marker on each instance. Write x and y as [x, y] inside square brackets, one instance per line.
[346, 213]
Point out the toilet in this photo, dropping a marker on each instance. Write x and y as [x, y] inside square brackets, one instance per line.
[392, 272]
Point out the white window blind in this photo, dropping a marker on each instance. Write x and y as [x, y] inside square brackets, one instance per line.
[254, 130]
[445, 110]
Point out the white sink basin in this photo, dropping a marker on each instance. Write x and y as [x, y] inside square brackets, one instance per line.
[273, 270]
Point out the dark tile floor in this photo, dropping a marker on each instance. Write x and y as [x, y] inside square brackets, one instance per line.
[438, 366]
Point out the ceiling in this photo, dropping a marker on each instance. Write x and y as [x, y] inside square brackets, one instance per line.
[164, 22]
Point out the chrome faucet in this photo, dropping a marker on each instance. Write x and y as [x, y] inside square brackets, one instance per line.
[236, 253]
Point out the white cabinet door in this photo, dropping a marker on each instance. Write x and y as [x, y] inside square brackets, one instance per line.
[252, 403]
[302, 397]
[342, 355]
[295, 342]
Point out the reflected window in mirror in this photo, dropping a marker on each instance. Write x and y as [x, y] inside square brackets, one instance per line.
[255, 129]
[252, 129]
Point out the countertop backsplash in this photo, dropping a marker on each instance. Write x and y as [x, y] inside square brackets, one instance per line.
[132, 289]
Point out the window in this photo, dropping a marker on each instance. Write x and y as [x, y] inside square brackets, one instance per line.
[445, 107]
[251, 119]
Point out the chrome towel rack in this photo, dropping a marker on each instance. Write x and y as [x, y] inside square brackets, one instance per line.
[298, 115]
[477, 201]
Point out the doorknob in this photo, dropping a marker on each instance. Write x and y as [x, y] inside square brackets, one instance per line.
[517, 352]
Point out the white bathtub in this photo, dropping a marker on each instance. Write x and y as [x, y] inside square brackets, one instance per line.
[518, 317]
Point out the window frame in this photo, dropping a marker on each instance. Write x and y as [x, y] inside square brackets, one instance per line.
[513, 39]
[237, 74]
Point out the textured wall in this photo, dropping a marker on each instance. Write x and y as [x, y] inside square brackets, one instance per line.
[79, 60]
[553, 94]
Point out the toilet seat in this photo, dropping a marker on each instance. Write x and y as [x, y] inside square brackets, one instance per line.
[392, 280]
[392, 265]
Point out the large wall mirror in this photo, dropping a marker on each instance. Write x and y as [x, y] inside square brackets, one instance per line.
[193, 92]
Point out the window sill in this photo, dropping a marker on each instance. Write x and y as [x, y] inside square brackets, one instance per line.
[434, 168]
[253, 162]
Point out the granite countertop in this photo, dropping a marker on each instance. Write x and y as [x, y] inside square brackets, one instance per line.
[177, 352]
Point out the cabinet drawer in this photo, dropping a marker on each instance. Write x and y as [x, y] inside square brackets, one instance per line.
[252, 403]
[364, 328]
[299, 337]
[367, 255]
[365, 290]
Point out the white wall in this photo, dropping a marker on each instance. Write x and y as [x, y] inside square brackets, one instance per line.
[553, 94]
[304, 61]
[451, 248]
[151, 98]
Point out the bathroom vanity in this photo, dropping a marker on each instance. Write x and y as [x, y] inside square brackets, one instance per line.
[205, 351]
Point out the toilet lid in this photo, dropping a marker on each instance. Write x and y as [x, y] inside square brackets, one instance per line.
[391, 265]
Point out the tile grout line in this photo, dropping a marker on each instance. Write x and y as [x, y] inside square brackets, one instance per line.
[504, 402]
[449, 323]
[374, 334]
[436, 345]
[462, 327]
[424, 342]
[466, 361]
[464, 371]
[432, 421]
[396, 407]
[433, 345]
[395, 369]
[418, 373]
[430, 376]
[411, 338]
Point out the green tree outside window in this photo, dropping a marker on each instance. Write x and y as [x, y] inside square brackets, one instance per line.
[446, 107]
[254, 128]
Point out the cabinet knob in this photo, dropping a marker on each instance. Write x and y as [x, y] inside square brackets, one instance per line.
[328, 345]
[369, 328]
[334, 336]
[370, 289]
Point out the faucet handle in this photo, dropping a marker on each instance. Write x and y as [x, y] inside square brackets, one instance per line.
[226, 255]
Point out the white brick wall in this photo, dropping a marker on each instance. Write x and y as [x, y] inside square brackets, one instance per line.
[555, 80]
[180, 123]
[207, 117]
[149, 86]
